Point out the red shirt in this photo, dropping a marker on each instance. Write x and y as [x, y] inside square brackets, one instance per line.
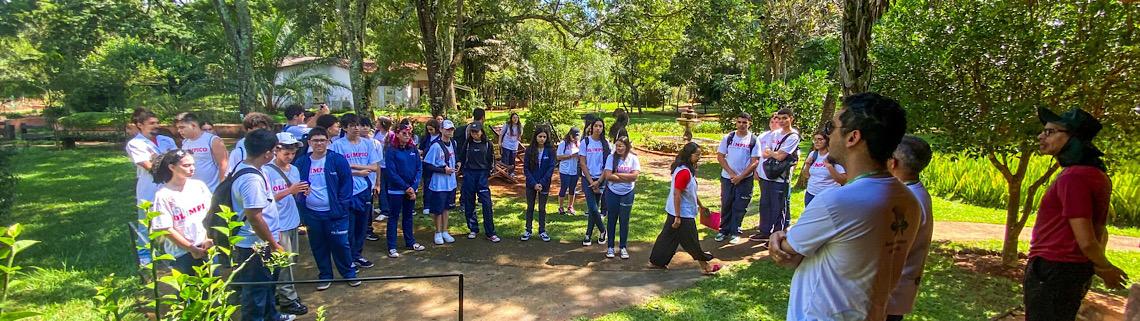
[1079, 192]
[682, 180]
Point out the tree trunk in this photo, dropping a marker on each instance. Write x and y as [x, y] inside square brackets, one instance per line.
[859, 18]
[351, 16]
[828, 109]
[239, 29]
[1012, 228]
[441, 58]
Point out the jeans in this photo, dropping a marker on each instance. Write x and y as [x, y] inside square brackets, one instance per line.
[359, 220]
[540, 196]
[685, 236]
[142, 239]
[569, 185]
[402, 210]
[734, 201]
[288, 292]
[328, 238]
[593, 216]
[773, 207]
[476, 185]
[186, 264]
[256, 300]
[507, 156]
[1054, 290]
[620, 207]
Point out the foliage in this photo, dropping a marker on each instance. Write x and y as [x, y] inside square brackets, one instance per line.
[113, 299]
[8, 181]
[547, 114]
[803, 94]
[12, 247]
[88, 120]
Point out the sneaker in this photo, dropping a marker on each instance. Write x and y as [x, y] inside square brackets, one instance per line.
[294, 308]
[323, 286]
[602, 238]
[381, 217]
[734, 240]
[377, 211]
[427, 211]
[438, 238]
[392, 253]
[364, 263]
[544, 237]
[496, 239]
[561, 211]
[354, 283]
[418, 247]
[610, 253]
[719, 237]
[472, 235]
[758, 238]
[447, 237]
[286, 317]
[587, 242]
[624, 254]
[525, 236]
[372, 237]
[571, 212]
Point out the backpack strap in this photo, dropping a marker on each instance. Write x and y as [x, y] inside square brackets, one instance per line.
[279, 171]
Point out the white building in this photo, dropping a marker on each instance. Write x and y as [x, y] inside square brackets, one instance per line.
[406, 93]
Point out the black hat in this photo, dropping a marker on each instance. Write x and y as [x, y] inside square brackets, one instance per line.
[1080, 123]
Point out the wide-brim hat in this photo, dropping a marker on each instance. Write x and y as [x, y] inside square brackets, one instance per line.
[1078, 122]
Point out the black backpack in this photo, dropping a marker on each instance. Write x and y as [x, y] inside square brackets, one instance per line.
[223, 195]
[777, 169]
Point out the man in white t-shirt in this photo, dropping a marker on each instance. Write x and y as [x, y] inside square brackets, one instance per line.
[364, 160]
[285, 182]
[142, 149]
[210, 157]
[295, 121]
[253, 200]
[850, 244]
[738, 154]
[778, 144]
[250, 122]
[908, 161]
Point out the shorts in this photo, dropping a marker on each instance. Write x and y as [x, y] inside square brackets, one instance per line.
[437, 202]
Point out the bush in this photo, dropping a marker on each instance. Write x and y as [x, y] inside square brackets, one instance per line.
[7, 182]
[91, 120]
[548, 114]
[803, 94]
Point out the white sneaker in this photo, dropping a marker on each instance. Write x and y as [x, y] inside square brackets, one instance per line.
[447, 237]
[544, 237]
[624, 254]
[381, 218]
[610, 253]
[472, 235]
[438, 238]
[525, 236]
[393, 253]
[376, 210]
[426, 211]
[735, 239]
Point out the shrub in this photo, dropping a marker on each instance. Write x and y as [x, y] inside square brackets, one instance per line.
[803, 94]
[7, 182]
[91, 120]
[548, 114]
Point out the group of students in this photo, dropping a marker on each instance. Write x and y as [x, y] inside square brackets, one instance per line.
[858, 248]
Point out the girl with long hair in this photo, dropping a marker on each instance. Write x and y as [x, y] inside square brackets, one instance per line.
[822, 172]
[622, 168]
[591, 158]
[184, 203]
[683, 206]
[568, 171]
[539, 168]
[510, 141]
[431, 134]
[402, 172]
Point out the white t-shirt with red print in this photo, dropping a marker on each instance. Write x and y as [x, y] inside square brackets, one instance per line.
[184, 211]
[627, 165]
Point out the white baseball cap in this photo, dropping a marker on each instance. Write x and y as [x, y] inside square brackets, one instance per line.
[447, 124]
[285, 138]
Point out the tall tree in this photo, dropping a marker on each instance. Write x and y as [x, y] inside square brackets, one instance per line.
[238, 25]
[351, 14]
[972, 72]
[859, 17]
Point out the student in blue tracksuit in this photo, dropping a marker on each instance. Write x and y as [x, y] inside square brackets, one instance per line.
[402, 176]
[538, 168]
[476, 158]
[325, 208]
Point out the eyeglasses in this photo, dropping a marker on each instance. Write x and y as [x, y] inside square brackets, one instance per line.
[318, 141]
[1050, 131]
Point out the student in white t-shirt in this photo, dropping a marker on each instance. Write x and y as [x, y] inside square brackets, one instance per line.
[738, 154]
[906, 165]
[440, 161]
[778, 144]
[295, 121]
[509, 141]
[850, 245]
[254, 202]
[142, 149]
[591, 156]
[823, 172]
[251, 122]
[184, 204]
[285, 182]
[363, 160]
[620, 173]
[567, 155]
[210, 156]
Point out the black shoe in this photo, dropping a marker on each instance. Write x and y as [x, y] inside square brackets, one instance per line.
[364, 263]
[295, 308]
[372, 237]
